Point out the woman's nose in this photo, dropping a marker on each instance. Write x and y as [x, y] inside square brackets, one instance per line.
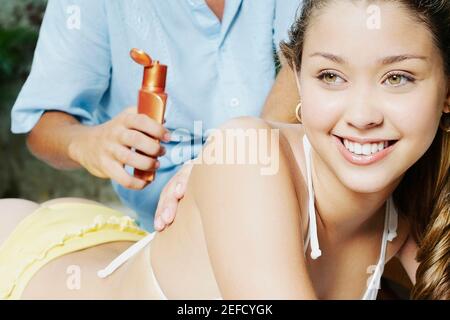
[363, 110]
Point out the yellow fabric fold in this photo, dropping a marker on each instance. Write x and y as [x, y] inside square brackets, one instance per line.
[56, 230]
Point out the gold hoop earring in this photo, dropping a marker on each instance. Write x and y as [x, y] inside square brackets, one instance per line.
[298, 111]
[444, 124]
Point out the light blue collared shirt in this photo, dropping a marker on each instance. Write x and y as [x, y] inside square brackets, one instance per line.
[217, 70]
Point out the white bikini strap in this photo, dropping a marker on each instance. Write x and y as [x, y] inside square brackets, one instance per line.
[125, 256]
[389, 233]
[393, 220]
[315, 250]
[305, 248]
[374, 284]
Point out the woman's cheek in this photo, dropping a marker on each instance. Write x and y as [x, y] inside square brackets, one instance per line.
[417, 128]
[320, 109]
[416, 117]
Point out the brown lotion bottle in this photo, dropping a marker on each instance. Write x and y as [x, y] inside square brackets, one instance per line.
[152, 98]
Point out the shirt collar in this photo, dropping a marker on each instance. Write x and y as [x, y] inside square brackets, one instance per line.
[207, 20]
[232, 8]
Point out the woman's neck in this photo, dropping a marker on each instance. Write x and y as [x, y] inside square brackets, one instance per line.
[340, 211]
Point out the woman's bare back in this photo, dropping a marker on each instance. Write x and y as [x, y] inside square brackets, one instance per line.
[181, 260]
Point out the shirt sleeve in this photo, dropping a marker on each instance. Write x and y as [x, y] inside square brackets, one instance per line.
[71, 66]
[285, 13]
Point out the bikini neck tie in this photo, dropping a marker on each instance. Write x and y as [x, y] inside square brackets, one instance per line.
[125, 256]
[315, 250]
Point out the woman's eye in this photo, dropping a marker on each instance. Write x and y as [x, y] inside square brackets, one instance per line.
[397, 80]
[331, 78]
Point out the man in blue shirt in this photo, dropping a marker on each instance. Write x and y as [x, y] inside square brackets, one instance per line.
[74, 103]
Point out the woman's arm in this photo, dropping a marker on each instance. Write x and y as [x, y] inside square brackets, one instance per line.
[407, 256]
[251, 221]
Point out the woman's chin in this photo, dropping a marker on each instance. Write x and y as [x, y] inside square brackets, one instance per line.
[366, 181]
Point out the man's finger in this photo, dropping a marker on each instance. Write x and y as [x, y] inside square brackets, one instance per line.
[168, 213]
[182, 180]
[158, 223]
[118, 174]
[180, 189]
[162, 200]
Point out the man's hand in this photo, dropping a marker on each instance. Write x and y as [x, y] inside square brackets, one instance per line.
[105, 149]
[172, 193]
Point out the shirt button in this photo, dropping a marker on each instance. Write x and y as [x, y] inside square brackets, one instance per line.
[234, 102]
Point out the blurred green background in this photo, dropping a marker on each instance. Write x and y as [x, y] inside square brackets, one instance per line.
[22, 175]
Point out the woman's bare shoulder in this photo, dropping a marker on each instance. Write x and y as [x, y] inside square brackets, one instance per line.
[251, 205]
[264, 147]
[289, 137]
[281, 169]
[293, 134]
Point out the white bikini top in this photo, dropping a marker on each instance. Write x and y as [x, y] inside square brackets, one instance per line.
[389, 233]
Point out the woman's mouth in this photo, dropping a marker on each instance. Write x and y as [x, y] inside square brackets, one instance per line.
[360, 153]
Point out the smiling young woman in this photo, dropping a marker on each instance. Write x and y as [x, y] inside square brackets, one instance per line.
[389, 87]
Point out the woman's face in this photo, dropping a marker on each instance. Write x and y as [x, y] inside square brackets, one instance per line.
[372, 75]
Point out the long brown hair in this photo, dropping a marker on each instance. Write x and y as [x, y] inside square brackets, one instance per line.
[423, 196]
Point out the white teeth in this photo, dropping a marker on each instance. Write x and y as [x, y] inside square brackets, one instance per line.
[365, 149]
[358, 148]
[374, 148]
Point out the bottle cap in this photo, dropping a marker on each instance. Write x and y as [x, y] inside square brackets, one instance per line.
[155, 74]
